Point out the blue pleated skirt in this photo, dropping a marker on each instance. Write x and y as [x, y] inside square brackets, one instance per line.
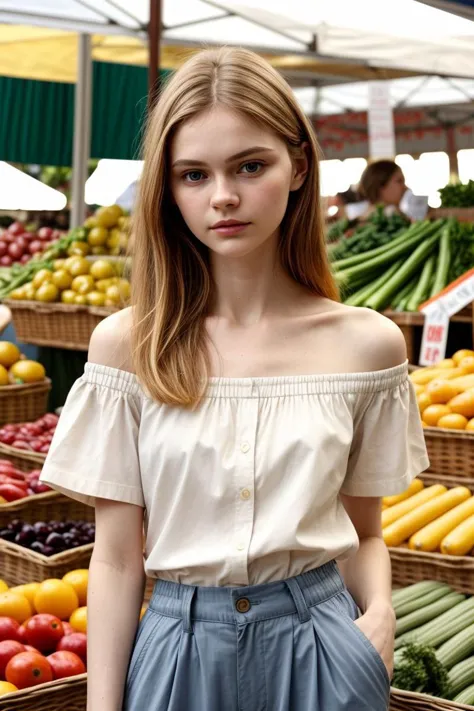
[283, 646]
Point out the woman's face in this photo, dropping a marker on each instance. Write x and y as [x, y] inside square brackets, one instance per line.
[393, 191]
[231, 179]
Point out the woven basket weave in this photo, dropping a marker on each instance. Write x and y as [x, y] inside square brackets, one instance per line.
[22, 458]
[50, 506]
[56, 325]
[62, 695]
[451, 452]
[409, 701]
[19, 565]
[24, 403]
[414, 566]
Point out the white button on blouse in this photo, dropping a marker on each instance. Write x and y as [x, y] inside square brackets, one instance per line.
[244, 489]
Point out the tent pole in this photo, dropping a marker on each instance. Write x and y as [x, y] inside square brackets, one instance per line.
[82, 129]
[154, 36]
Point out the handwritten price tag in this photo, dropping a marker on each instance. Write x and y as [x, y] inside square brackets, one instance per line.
[437, 314]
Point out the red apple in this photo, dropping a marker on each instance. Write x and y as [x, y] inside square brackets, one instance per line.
[16, 228]
[45, 234]
[25, 258]
[3, 248]
[35, 246]
[15, 251]
[6, 261]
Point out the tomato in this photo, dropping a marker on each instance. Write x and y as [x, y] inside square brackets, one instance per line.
[65, 664]
[8, 649]
[44, 632]
[76, 642]
[7, 463]
[68, 629]
[11, 492]
[28, 669]
[9, 629]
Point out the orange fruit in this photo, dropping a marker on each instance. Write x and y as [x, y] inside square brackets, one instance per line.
[56, 598]
[433, 413]
[424, 401]
[78, 620]
[440, 391]
[29, 591]
[78, 579]
[29, 371]
[7, 688]
[14, 605]
[3, 586]
[453, 422]
[9, 353]
[460, 355]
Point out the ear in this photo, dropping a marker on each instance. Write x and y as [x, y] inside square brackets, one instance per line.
[300, 168]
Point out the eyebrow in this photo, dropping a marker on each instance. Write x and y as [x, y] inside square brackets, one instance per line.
[236, 156]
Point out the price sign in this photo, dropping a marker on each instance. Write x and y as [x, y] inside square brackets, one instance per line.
[437, 314]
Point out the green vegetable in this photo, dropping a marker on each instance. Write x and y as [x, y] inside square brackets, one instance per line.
[457, 648]
[421, 600]
[414, 592]
[466, 696]
[400, 300]
[441, 628]
[442, 270]
[421, 292]
[419, 670]
[458, 195]
[427, 612]
[359, 298]
[461, 675]
[410, 267]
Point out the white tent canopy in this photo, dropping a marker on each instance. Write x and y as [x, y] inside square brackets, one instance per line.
[405, 34]
[22, 192]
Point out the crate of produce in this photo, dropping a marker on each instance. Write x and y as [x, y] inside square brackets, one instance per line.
[22, 458]
[410, 566]
[451, 453]
[20, 403]
[70, 694]
[19, 565]
[26, 444]
[55, 324]
[49, 505]
[411, 701]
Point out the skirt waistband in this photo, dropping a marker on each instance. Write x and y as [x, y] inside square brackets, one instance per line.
[243, 605]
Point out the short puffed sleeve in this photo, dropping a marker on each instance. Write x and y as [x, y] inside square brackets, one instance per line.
[388, 446]
[94, 452]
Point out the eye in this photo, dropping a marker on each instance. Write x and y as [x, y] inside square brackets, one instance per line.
[193, 176]
[251, 167]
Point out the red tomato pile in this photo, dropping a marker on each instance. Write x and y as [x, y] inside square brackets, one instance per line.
[15, 484]
[18, 245]
[31, 436]
[41, 649]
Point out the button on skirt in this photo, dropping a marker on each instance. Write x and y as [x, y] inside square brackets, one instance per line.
[283, 646]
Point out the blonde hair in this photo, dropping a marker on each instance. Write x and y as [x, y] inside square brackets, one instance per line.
[172, 284]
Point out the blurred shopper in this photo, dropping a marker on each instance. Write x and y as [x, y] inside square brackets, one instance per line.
[382, 183]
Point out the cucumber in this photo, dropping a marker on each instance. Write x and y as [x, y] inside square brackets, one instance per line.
[429, 612]
[461, 675]
[457, 648]
[413, 592]
[466, 696]
[421, 601]
[442, 628]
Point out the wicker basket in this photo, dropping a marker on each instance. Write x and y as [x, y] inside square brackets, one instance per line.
[56, 325]
[24, 403]
[62, 695]
[21, 458]
[409, 701]
[414, 566]
[451, 453]
[19, 565]
[50, 506]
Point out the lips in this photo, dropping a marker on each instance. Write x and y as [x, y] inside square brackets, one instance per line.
[229, 223]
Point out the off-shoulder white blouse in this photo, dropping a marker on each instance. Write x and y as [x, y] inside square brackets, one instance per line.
[245, 489]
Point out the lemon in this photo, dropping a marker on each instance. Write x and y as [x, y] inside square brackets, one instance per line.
[108, 216]
[62, 279]
[47, 292]
[28, 371]
[114, 238]
[79, 580]
[7, 688]
[95, 298]
[78, 248]
[68, 296]
[42, 277]
[80, 300]
[18, 294]
[78, 619]
[59, 264]
[98, 251]
[90, 222]
[83, 284]
[79, 266]
[30, 291]
[97, 236]
[56, 597]
[9, 353]
[5, 380]
[103, 284]
[29, 590]
[101, 269]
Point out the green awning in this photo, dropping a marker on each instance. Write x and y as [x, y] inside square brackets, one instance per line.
[36, 117]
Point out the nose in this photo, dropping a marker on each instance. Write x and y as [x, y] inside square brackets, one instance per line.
[224, 194]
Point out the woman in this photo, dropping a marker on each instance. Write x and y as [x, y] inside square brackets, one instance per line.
[249, 419]
[382, 183]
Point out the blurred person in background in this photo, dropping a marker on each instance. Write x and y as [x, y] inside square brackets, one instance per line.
[382, 183]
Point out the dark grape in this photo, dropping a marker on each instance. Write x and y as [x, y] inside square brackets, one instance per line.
[7, 534]
[55, 540]
[38, 547]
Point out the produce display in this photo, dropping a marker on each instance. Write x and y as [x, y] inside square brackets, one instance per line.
[16, 369]
[49, 537]
[434, 641]
[31, 436]
[417, 263]
[377, 231]
[430, 518]
[458, 195]
[16, 484]
[445, 392]
[76, 280]
[19, 245]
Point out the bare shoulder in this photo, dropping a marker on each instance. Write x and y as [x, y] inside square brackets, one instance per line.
[110, 343]
[376, 342]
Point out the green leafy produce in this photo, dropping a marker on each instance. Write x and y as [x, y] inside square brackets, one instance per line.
[458, 195]
[462, 249]
[337, 230]
[418, 669]
[376, 232]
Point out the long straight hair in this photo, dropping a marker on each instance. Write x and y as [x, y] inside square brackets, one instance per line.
[172, 285]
